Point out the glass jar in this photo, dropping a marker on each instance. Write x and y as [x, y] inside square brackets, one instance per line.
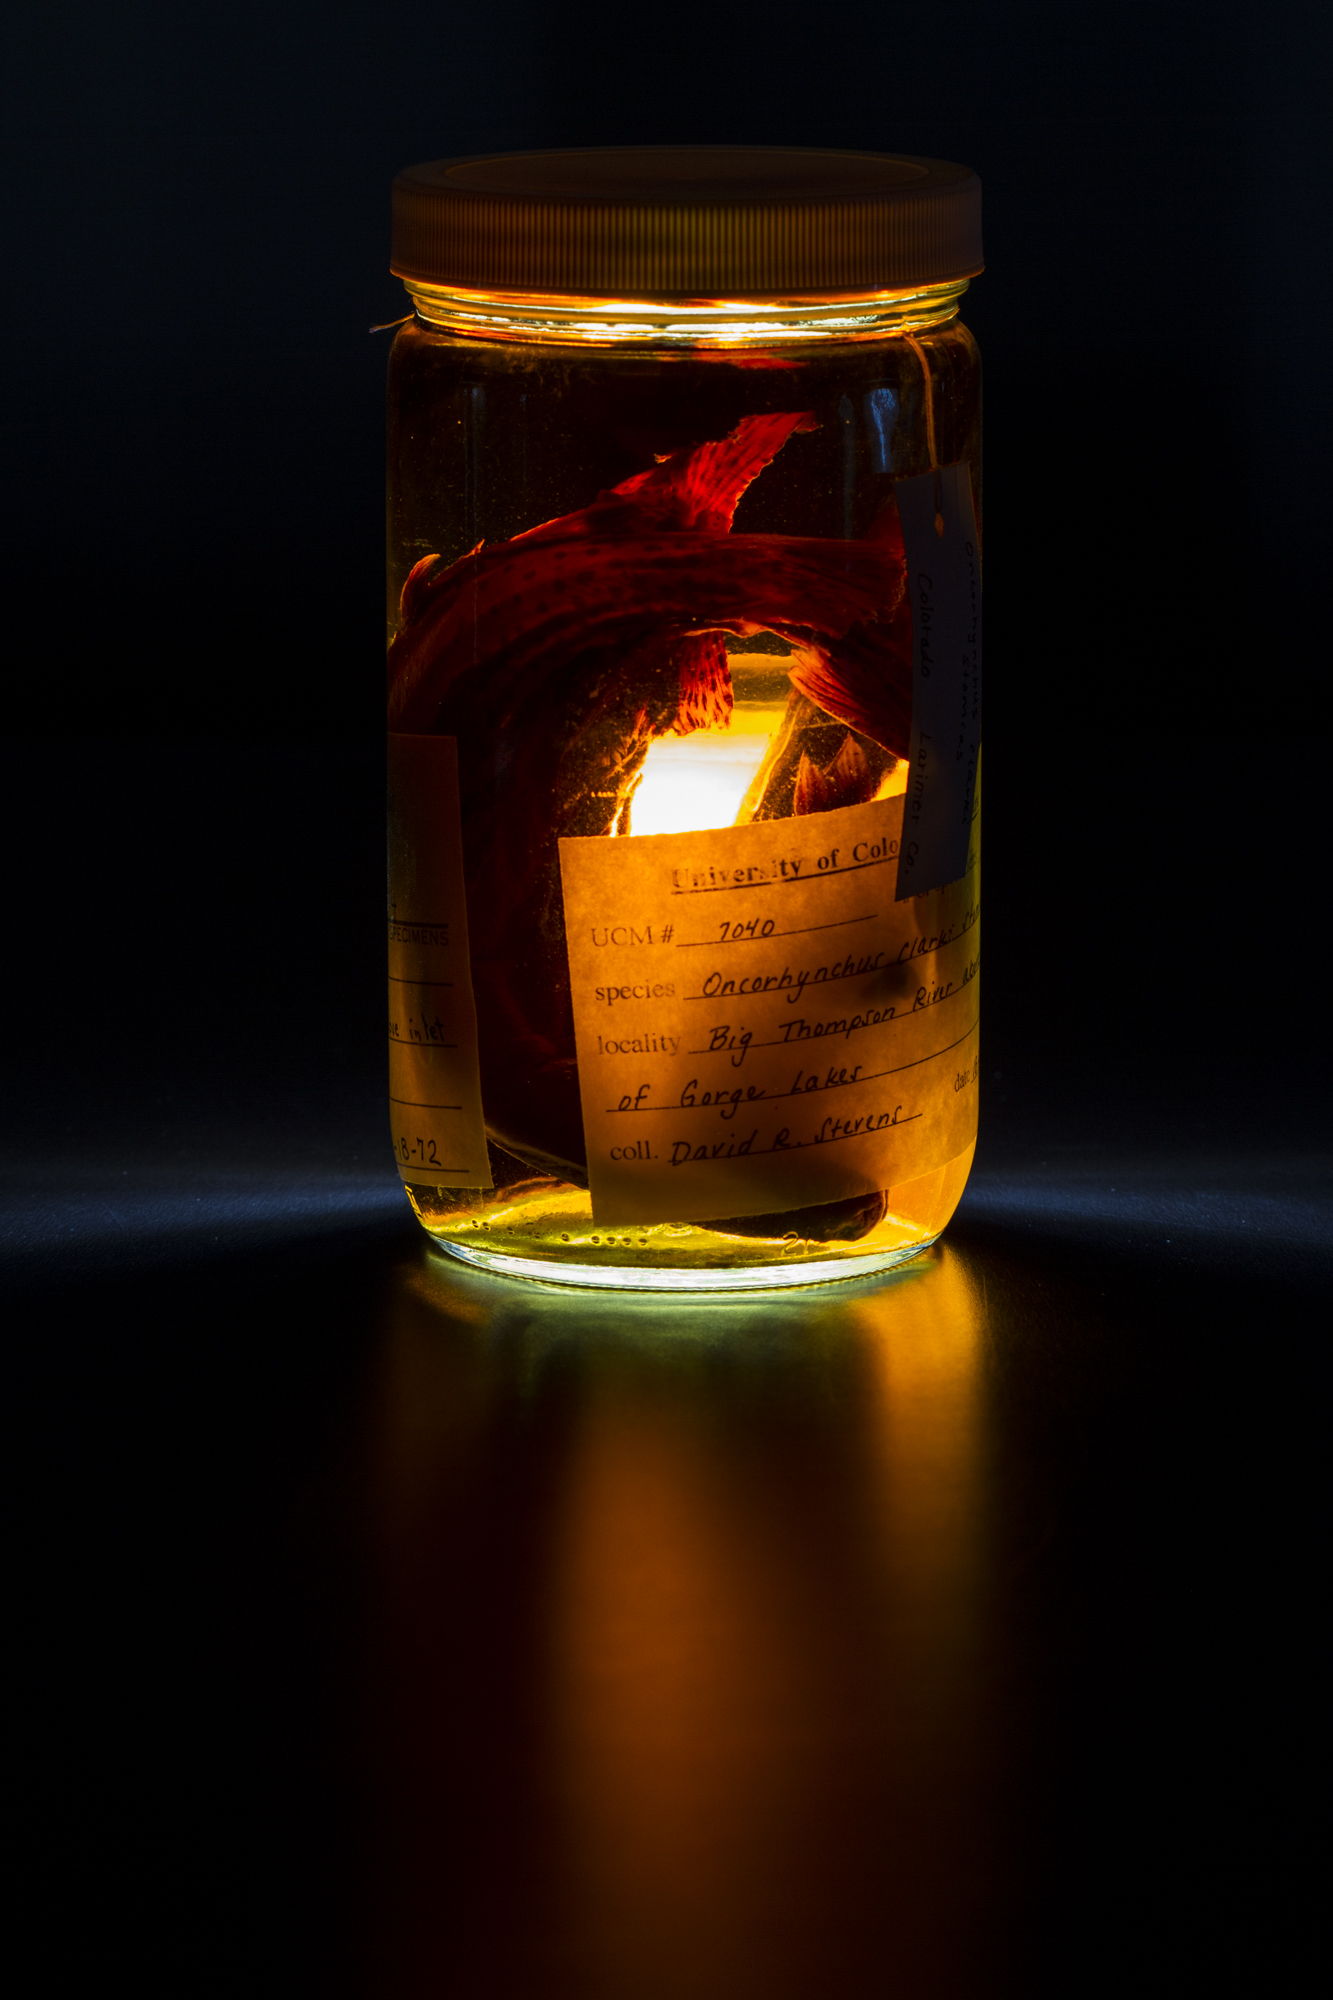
[676, 438]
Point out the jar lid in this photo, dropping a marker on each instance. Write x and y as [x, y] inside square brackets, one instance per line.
[687, 222]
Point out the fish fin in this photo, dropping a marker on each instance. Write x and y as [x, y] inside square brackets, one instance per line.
[848, 779]
[701, 486]
[422, 581]
[705, 683]
[812, 788]
[861, 680]
[698, 488]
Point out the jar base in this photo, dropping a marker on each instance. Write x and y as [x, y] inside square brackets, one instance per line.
[646, 1278]
[542, 1230]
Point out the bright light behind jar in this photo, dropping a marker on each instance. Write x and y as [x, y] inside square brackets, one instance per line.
[701, 780]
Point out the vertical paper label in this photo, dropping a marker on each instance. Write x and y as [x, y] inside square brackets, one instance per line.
[944, 584]
[760, 1024]
[439, 1136]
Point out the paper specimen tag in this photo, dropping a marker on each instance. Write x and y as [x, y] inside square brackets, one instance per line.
[434, 1085]
[944, 584]
[760, 1024]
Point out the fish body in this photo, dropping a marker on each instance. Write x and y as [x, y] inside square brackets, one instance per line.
[557, 657]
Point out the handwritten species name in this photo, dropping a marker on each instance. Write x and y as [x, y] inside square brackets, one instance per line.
[922, 947]
[793, 984]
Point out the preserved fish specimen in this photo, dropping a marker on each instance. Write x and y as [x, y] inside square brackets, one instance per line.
[648, 570]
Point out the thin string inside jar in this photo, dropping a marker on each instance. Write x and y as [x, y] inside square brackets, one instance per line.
[928, 394]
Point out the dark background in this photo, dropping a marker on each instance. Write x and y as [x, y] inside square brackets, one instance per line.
[252, 1434]
[197, 211]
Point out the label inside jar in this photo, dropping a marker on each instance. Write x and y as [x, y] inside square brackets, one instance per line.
[439, 1137]
[760, 1024]
[944, 584]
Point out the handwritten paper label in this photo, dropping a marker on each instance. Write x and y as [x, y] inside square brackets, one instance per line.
[944, 583]
[760, 1025]
[434, 1085]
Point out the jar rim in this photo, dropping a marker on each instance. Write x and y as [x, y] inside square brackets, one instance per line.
[568, 320]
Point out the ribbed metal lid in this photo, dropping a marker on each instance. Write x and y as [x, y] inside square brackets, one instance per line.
[683, 222]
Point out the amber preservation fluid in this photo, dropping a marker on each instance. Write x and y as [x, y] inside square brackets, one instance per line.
[647, 570]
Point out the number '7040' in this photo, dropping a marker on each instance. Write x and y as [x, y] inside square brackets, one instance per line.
[754, 929]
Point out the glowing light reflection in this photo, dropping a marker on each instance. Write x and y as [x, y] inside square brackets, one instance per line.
[693, 782]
